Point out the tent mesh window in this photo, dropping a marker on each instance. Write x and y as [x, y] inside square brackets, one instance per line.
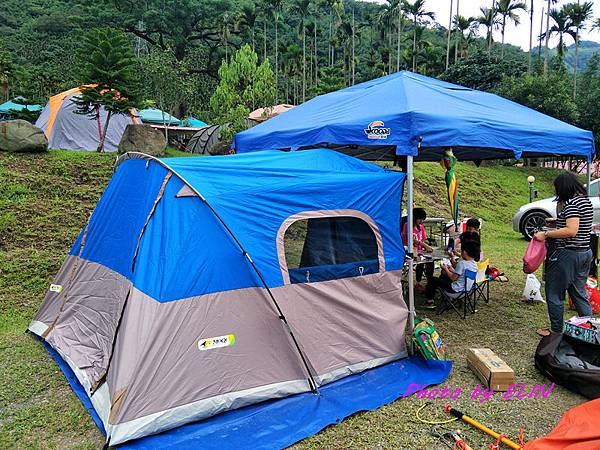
[330, 248]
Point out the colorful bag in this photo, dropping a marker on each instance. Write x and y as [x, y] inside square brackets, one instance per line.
[591, 287]
[534, 256]
[427, 339]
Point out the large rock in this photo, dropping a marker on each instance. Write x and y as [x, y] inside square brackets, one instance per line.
[21, 136]
[144, 139]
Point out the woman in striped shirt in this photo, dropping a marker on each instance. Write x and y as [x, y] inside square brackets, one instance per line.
[568, 267]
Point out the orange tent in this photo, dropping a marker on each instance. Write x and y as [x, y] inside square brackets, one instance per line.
[578, 429]
[65, 129]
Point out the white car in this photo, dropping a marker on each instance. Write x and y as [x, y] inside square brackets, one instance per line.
[532, 216]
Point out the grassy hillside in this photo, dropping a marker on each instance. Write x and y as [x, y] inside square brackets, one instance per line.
[44, 201]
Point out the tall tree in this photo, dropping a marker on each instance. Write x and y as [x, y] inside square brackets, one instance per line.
[508, 10]
[399, 7]
[455, 30]
[579, 14]
[249, 18]
[489, 20]
[243, 85]
[107, 64]
[302, 10]
[562, 25]
[530, 37]
[462, 25]
[276, 11]
[547, 34]
[448, 36]
[417, 12]
[6, 73]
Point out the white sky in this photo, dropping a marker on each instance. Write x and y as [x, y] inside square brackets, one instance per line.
[514, 35]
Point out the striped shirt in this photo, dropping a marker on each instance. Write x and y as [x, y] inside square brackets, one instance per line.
[580, 207]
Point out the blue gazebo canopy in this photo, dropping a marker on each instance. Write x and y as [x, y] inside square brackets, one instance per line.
[388, 116]
[158, 117]
[10, 107]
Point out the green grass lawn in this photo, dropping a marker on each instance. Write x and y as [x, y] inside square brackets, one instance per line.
[44, 201]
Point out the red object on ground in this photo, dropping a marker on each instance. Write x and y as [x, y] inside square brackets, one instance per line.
[591, 287]
[534, 256]
[577, 430]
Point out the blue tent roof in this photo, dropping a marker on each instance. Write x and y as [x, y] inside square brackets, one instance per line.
[253, 193]
[156, 116]
[394, 112]
[193, 122]
[9, 107]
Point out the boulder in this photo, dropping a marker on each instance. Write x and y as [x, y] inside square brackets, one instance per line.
[144, 139]
[20, 136]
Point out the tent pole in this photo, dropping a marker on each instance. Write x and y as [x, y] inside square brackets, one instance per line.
[589, 175]
[409, 226]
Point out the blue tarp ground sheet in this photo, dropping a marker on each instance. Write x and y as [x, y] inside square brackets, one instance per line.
[280, 423]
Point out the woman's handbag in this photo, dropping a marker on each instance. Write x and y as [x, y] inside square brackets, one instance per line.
[534, 256]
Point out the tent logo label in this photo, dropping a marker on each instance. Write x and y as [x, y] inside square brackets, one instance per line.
[56, 288]
[216, 342]
[377, 130]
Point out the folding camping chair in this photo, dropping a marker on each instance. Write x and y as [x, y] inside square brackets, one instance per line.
[482, 281]
[467, 298]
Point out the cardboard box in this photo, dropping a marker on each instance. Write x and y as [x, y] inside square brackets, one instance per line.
[490, 369]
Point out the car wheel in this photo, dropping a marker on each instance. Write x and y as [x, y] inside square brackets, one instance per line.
[532, 222]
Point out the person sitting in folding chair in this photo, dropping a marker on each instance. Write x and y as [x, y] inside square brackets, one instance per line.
[453, 278]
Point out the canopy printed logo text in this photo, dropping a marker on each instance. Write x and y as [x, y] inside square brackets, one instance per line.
[377, 130]
[216, 342]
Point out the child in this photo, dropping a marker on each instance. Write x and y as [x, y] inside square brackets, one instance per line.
[453, 278]
[420, 245]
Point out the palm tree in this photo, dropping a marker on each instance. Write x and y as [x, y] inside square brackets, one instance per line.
[579, 14]
[264, 8]
[562, 25]
[385, 20]
[275, 10]
[547, 34]
[462, 24]
[507, 9]
[301, 9]
[448, 38]
[248, 20]
[489, 20]
[398, 6]
[455, 46]
[418, 14]
[530, 37]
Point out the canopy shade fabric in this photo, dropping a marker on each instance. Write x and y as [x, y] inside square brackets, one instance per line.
[10, 107]
[388, 116]
[193, 122]
[153, 115]
[262, 114]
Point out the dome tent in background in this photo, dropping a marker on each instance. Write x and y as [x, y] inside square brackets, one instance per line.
[67, 130]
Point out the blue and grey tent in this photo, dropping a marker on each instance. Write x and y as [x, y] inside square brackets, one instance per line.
[200, 285]
[405, 114]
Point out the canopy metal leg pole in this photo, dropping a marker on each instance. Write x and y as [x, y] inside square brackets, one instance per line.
[409, 226]
[589, 175]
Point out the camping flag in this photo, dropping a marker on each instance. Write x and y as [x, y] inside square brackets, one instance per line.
[448, 162]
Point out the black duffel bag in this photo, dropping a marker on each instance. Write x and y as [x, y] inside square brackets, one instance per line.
[570, 362]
